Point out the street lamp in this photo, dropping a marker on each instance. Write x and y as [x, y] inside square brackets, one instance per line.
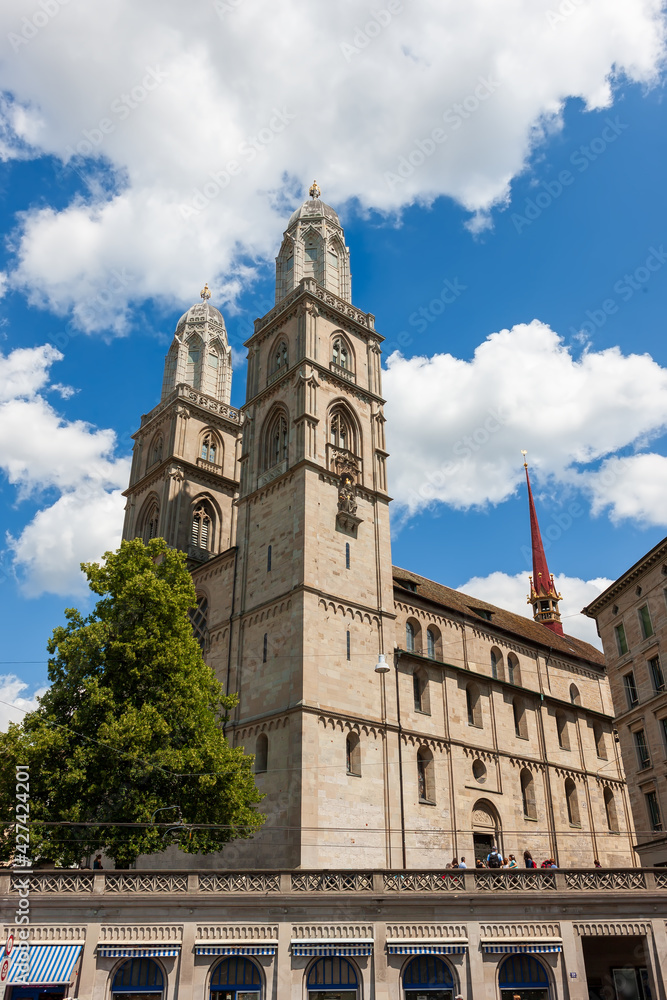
[381, 667]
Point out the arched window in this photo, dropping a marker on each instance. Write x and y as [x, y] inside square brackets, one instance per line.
[410, 637]
[513, 670]
[575, 697]
[562, 728]
[430, 643]
[139, 975]
[193, 363]
[209, 448]
[335, 971]
[199, 619]
[261, 752]
[236, 974]
[156, 451]
[496, 664]
[202, 523]
[473, 706]
[520, 723]
[340, 353]
[342, 430]
[276, 440]
[428, 972]
[279, 359]
[524, 975]
[265, 647]
[425, 776]
[151, 522]
[528, 794]
[572, 802]
[600, 746]
[420, 690]
[353, 753]
[610, 810]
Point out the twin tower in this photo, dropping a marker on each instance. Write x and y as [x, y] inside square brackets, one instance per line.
[282, 509]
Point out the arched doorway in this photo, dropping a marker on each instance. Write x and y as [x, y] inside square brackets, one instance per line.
[428, 977]
[139, 978]
[235, 978]
[332, 979]
[485, 829]
[525, 976]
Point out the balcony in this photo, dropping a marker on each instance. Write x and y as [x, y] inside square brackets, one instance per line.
[209, 466]
[342, 372]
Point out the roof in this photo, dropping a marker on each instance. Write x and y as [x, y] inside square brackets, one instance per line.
[314, 208]
[202, 312]
[654, 555]
[523, 628]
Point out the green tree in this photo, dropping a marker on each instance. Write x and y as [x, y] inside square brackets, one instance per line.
[130, 724]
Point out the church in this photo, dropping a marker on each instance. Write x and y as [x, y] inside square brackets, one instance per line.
[395, 722]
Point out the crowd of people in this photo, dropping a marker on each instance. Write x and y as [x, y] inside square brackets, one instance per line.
[495, 860]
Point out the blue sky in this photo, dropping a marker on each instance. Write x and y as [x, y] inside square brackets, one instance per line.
[543, 209]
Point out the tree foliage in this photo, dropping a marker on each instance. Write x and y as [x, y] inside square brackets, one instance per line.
[130, 724]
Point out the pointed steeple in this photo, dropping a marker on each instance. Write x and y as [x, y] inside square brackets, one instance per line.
[543, 594]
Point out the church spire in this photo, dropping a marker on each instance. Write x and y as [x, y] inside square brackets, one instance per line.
[543, 594]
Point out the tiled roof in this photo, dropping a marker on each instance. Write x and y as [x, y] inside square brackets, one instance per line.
[524, 628]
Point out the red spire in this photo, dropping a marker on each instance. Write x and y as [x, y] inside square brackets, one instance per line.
[543, 594]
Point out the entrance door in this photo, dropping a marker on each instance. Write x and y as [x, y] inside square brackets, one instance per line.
[483, 842]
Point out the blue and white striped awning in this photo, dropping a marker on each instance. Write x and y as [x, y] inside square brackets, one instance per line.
[47, 964]
[329, 949]
[509, 948]
[152, 951]
[237, 949]
[437, 948]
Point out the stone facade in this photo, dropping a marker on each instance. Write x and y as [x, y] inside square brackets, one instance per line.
[631, 618]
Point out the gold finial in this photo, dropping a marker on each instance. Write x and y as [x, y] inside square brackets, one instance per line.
[205, 293]
[525, 463]
[314, 191]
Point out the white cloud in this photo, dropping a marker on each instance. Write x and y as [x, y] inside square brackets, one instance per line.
[510, 592]
[633, 487]
[41, 450]
[165, 95]
[456, 427]
[12, 706]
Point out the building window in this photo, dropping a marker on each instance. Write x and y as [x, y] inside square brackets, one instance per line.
[347, 555]
[430, 643]
[528, 794]
[201, 528]
[572, 802]
[494, 664]
[610, 810]
[236, 977]
[265, 647]
[643, 756]
[156, 451]
[410, 637]
[420, 690]
[621, 641]
[275, 447]
[656, 674]
[575, 697]
[280, 357]
[340, 354]
[630, 689]
[653, 811]
[663, 723]
[425, 781]
[138, 976]
[261, 753]
[198, 617]
[520, 724]
[268, 559]
[600, 747]
[151, 522]
[473, 706]
[347, 640]
[209, 450]
[513, 670]
[563, 734]
[353, 753]
[645, 621]
[341, 430]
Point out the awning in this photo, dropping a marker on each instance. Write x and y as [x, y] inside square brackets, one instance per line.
[354, 948]
[46, 965]
[152, 951]
[426, 948]
[521, 947]
[261, 948]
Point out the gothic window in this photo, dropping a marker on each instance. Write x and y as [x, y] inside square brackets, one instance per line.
[213, 359]
[289, 263]
[572, 802]
[156, 451]
[562, 728]
[261, 753]
[192, 365]
[209, 448]
[332, 258]
[340, 353]
[276, 440]
[610, 810]
[513, 669]
[280, 357]
[425, 777]
[341, 433]
[528, 794]
[473, 706]
[496, 664]
[202, 523]
[199, 619]
[520, 724]
[353, 754]
[151, 522]
[433, 642]
[575, 697]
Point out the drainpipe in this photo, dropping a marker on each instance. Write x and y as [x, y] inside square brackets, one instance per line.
[397, 657]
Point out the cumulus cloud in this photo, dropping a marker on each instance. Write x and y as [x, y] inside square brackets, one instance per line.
[510, 592]
[12, 706]
[456, 427]
[41, 451]
[189, 130]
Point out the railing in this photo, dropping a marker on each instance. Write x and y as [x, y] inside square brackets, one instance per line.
[342, 372]
[389, 883]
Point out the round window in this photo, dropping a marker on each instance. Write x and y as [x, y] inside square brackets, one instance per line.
[479, 771]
